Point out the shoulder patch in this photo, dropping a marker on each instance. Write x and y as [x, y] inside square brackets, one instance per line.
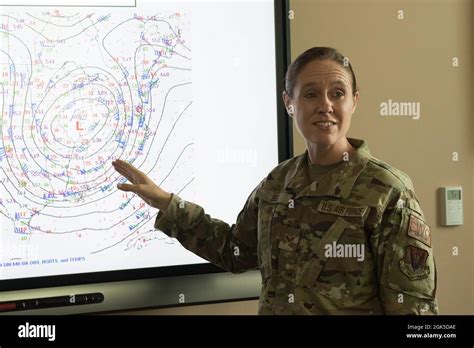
[418, 230]
[413, 264]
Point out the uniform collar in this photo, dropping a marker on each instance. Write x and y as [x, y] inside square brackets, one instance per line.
[336, 183]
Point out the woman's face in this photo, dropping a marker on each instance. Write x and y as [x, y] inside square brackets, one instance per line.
[322, 103]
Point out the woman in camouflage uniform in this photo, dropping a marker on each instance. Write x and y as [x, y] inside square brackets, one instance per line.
[334, 230]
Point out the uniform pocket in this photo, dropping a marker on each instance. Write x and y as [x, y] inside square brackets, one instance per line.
[268, 204]
[318, 259]
[341, 265]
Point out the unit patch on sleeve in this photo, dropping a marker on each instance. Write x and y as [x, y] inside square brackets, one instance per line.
[419, 230]
[413, 264]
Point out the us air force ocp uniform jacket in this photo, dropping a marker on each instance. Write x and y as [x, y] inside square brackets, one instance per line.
[354, 241]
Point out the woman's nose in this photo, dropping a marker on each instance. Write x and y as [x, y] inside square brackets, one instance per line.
[325, 104]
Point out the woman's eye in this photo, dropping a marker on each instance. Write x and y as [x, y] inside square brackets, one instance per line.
[309, 95]
[339, 94]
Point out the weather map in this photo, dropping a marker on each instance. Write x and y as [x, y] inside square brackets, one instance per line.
[79, 88]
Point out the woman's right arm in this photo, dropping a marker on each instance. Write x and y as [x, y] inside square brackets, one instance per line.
[232, 247]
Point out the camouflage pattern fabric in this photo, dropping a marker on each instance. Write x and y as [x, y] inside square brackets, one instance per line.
[354, 241]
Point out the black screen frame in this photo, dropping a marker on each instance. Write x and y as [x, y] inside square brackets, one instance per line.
[285, 151]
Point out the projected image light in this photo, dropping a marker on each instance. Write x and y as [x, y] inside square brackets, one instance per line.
[83, 86]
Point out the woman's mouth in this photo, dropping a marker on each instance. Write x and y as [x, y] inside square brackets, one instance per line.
[325, 125]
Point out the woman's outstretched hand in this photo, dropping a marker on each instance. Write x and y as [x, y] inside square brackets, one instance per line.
[142, 185]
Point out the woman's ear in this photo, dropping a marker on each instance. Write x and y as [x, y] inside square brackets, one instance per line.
[356, 101]
[288, 104]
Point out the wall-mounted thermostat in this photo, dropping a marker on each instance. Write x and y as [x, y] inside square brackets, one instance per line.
[451, 206]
